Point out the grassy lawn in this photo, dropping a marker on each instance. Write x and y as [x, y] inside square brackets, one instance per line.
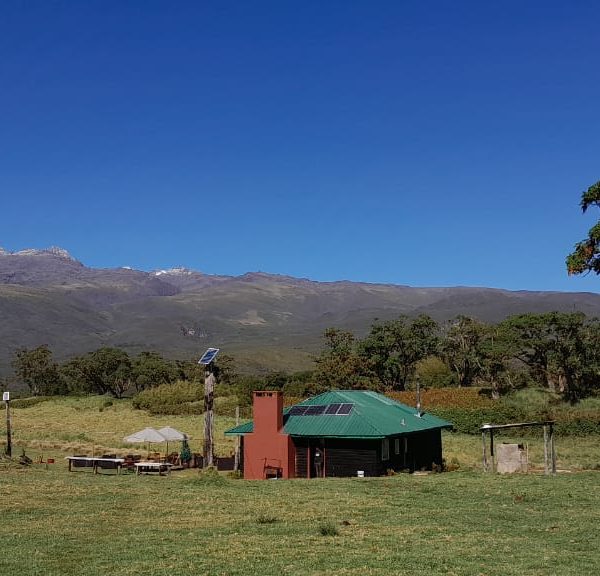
[464, 523]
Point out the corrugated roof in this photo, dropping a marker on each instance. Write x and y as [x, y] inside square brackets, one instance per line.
[373, 416]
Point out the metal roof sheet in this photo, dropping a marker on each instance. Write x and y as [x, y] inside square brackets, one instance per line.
[373, 416]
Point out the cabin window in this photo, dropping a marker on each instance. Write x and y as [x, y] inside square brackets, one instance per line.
[397, 446]
[385, 449]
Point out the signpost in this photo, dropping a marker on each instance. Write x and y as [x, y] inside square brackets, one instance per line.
[209, 393]
[6, 398]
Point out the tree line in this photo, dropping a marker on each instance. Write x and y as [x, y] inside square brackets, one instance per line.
[556, 350]
[105, 371]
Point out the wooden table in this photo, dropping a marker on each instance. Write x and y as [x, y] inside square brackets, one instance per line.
[147, 467]
[95, 462]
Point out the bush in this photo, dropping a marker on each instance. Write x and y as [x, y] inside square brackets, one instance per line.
[210, 476]
[29, 402]
[469, 421]
[328, 529]
[266, 519]
[178, 398]
[433, 398]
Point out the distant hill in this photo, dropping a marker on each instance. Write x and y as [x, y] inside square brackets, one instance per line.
[267, 321]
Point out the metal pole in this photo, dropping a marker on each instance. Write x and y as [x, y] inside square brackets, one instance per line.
[8, 433]
[418, 380]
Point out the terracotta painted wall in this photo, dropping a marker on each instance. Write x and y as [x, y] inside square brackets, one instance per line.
[268, 446]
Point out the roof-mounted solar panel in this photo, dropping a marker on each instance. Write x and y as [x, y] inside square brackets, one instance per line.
[315, 410]
[332, 409]
[297, 410]
[345, 409]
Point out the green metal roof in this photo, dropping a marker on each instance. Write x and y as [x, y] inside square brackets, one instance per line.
[373, 416]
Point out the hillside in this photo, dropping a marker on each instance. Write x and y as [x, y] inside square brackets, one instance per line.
[268, 321]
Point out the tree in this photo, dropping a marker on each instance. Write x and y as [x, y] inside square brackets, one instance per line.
[496, 351]
[575, 354]
[434, 373]
[586, 255]
[339, 365]
[39, 371]
[149, 369]
[107, 371]
[392, 349]
[533, 341]
[461, 348]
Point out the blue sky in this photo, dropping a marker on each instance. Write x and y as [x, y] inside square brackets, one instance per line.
[409, 142]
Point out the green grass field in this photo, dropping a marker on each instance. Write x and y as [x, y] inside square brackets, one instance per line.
[463, 523]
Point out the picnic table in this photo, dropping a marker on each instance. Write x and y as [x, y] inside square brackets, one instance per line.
[95, 463]
[150, 466]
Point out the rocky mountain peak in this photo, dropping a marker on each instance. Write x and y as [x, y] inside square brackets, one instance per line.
[51, 251]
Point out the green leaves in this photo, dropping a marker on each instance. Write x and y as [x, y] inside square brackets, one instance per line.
[586, 255]
[386, 359]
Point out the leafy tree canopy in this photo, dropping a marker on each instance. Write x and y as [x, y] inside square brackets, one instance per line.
[586, 255]
[39, 371]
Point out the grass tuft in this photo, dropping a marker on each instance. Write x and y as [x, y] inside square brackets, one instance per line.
[266, 519]
[328, 529]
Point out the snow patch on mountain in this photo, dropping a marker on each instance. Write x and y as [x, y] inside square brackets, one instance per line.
[173, 272]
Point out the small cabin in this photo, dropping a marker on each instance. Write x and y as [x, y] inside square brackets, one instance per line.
[337, 433]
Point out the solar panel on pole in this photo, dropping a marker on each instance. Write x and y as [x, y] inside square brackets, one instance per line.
[208, 356]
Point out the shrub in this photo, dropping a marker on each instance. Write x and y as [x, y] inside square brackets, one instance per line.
[210, 476]
[178, 398]
[433, 398]
[328, 529]
[266, 519]
[29, 402]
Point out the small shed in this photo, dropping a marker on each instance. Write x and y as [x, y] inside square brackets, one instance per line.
[337, 433]
[515, 463]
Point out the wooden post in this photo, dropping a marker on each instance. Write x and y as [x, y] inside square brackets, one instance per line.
[209, 392]
[8, 431]
[492, 450]
[483, 445]
[236, 457]
[546, 467]
[552, 450]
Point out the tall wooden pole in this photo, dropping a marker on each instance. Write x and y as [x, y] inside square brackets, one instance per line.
[8, 432]
[546, 466]
[209, 393]
[492, 457]
[552, 450]
[483, 443]
[236, 458]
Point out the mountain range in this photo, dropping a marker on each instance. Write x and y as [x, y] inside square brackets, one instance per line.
[267, 321]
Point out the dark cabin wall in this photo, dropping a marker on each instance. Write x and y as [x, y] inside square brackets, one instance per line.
[345, 457]
[301, 445]
[416, 451]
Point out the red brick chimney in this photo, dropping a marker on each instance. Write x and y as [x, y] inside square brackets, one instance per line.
[268, 412]
[268, 451]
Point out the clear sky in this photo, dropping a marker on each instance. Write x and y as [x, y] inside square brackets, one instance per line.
[428, 143]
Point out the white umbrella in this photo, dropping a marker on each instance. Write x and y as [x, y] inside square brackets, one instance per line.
[146, 435]
[172, 434]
